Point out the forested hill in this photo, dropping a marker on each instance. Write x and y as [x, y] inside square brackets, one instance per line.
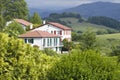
[98, 9]
[98, 20]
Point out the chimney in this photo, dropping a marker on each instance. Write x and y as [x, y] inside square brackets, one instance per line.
[31, 26]
[44, 21]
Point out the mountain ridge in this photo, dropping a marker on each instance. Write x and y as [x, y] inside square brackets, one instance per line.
[107, 9]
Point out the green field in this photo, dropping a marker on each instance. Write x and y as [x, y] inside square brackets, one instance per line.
[77, 26]
[108, 41]
[109, 36]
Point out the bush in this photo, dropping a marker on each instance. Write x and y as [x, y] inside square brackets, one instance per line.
[87, 65]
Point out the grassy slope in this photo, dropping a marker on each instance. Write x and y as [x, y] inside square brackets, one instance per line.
[84, 25]
[109, 36]
[108, 41]
[105, 42]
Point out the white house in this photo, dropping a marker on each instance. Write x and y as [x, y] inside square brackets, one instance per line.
[43, 40]
[57, 29]
[22, 22]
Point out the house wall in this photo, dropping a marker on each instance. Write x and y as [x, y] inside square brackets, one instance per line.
[23, 26]
[54, 30]
[40, 42]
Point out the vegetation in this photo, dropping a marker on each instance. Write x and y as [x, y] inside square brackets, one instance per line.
[68, 45]
[92, 58]
[21, 61]
[36, 20]
[2, 23]
[14, 29]
[88, 40]
[100, 20]
[55, 17]
[87, 65]
[10, 9]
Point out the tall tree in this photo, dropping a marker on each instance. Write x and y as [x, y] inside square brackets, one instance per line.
[36, 19]
[88, 40]
[10, 9]
[2, 23]
[14, 29]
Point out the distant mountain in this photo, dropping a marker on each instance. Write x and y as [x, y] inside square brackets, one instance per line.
[42, 13]
[97, 9]
[107, 9]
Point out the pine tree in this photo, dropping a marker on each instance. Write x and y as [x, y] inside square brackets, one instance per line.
[36, 19]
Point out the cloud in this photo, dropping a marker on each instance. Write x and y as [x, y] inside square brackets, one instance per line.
[44, 4]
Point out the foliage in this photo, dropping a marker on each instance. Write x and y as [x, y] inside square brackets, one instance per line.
[68, 44]
[14, 29]
[106, 21]
[87, 65]
[88, 40]
[76, 37]
[115, 51]
[55, 17]
[35, 19]
[19, 61]
[49, 52]
[64, 15]
[2, 23]
[10, 9]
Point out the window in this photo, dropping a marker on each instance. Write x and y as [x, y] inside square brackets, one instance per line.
[60, 32]
[56, 41]
[54, 32]
[31, 40]
[50, 41]
[25, 40]
[44, 42]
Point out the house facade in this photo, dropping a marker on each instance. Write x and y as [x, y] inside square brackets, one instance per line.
[43, 40]
[56, 29]
[22, 22]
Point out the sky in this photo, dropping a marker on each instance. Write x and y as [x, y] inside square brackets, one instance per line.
[61, 4]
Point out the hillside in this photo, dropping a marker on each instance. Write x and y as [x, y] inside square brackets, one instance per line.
[81, 27]
[86, 10]
[98, 9]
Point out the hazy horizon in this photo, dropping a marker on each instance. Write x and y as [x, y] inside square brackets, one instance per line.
[61, 4]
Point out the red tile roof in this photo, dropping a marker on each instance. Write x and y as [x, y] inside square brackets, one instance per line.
[24, 22]
[59, 26]
[37, 34]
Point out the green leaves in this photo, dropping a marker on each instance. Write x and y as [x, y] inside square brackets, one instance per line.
[36, 19]
[11, 9]
[14, 29]
[87, 65]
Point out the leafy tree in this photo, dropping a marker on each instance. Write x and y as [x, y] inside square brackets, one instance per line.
[49, 52]
[76, 37]
[10, 9]
[14, 29]
[35, 19]
[67, 44]
[87, 65]
[20, 61]
[88, 40]
[2, 23]
[115, 51]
